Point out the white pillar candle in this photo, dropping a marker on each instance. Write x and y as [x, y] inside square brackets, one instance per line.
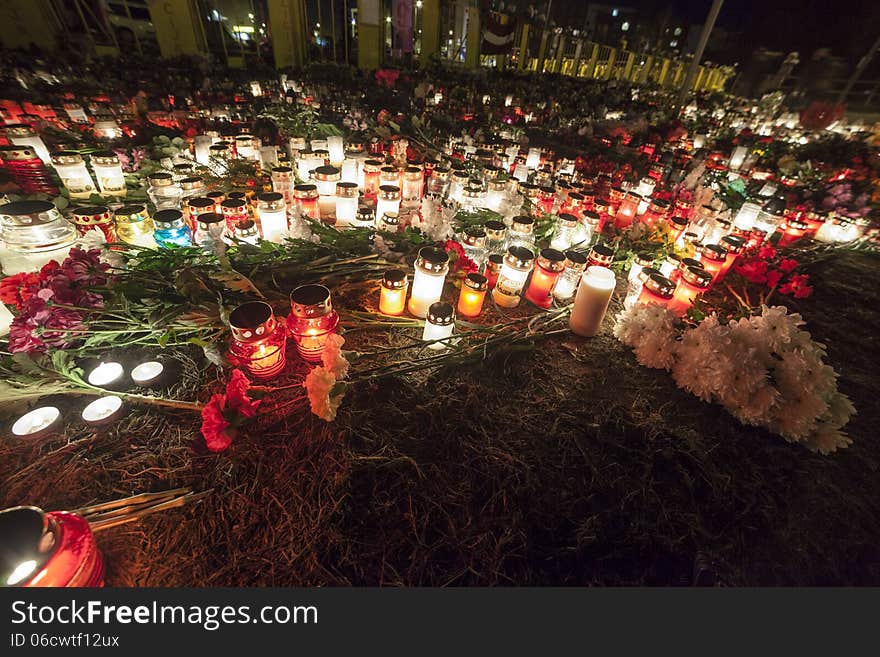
[431, 268]
[346, 203]
[591, 301]
[336, 149]
[202, 144]
[521, 172]
[533, 159]
[350, 170]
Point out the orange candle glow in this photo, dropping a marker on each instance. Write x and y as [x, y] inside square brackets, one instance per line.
[473, 292]
[713, 257]
[657, 290]
[392, 298]
[694, 281]
[548, 268]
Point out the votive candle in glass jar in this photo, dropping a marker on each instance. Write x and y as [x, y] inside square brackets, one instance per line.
[210, 227]
[473, 292]
[372, 169]
[94, 216]
[182, 171]
[658, 210]
[793, 229]
[326, 178]
[218, 198]
[733, 245]
[439, 324]
[549, 266]
[600, 256]
[196, 206]
[388, 200]
[171, 229]
[521, 232]
[693, 282]
[392, 295]
[246, 231]
[626, 211]
[474, 244]
[108, 171]
[235, 210]
[163, 191]
[33, 233]
[591, 301]
[713, 257]
[588, 228]
[283, 182]
[602, 207]
[134, 226]
[24, 135]
[431, 267]
[496, 237]
[306, 196]
[365, 218]
[335, 149]
[311, 321]
[683, 264]
[745, 217]
[73, 173]
[389, 222]
[497, 194]
[546, 198]
[389, 175]
[437, 182]
[493, 268]
[258, 340]
[272, 213]
[656, 290]
[346, 203]
[640, 261]
[565, 231]
[27, 170]
[192, 187]
[518, 263]
[413, 182]
[245, 147]
[573, 268]
[634, 289]
[219, 151]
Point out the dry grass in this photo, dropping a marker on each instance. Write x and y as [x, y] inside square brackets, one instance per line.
[566, 464]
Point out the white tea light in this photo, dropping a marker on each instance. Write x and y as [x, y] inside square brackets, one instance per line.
[103, 409]
[37, 421]
[147, 373]
[105, 374]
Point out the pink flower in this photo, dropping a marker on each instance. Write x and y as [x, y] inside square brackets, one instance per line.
[85, 267]
[215, 427]
[41, 326]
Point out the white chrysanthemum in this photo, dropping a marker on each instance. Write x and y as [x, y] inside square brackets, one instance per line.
[656, 350]
[333, 359]
[95, 239]
[827, 438]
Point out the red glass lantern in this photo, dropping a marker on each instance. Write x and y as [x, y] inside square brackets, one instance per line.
[600, 256]
[235, 210]
[626, 211]
[602, 207]
[258, 340]
[548, 267]
[694, 281]
[657, 290]
[713, 257]
[734, 245]
[27, 170]
[793, 229]
[311, 321]
[95, 216]
[306, 196]
[196, 206]
[546, 199]
[55, 549]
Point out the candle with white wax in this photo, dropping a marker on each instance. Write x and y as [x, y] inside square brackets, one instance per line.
[591, 301]
[103, 409]
[39, 421]
[105, 374]
[147, 373]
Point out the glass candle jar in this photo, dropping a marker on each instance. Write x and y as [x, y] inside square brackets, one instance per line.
[549, 266]
[365, 218]
[27, 170]
[458, 180]
[346, 203]
[195, 206]
[437, 182]
[496, 237]
[713, 257]
[573, 268]
[493, 268]
[546, 198]
[693, 282]
[683, 264]
[73, 173]
[258, 340]
[326, 178]
[94, 216]
[24, 135]
[565, 231]
[496, 197]
[388, 200]
[389, 175]
[392, 295]
[218, 198]
[793, 229]
[371, 171]
[600, 256]
[733, 246]
[272, 213]
[602, 207]
[472, 295]
[388, 222]
[306, 196]
[439, 324]
[335, 149]
[108, 171]
[521, 232]
[634, 288]
[31, 234]
[640, 261]
[163, 191]
[657, 290]
[745, 217]
[245, 147]
[210, 227]
[591, 301]
[246, 231]
[658, 210]
[220, 151]
[514, 271]
[283, 182]
[235, 210]
[134, 226]
[171, 229]
[474, 243]
[431, 267]
[311, 321]
[626, 211]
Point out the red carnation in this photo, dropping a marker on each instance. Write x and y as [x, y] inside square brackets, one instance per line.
[17, 289]
[787, 265]
[797, 286]
[215, 428]
[236, 395]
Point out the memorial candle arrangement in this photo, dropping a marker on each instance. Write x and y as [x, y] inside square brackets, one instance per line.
[134, 226]
[95, 216]
[311, 321]
[693, 282]
[392, 295]
[73, 173]
[170, 229]
[431, 267]
[439, 325]
[108, 171]
[258, 340]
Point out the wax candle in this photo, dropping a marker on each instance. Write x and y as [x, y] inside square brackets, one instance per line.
[574, 266]
[713, 257]
[474, 244]
[493, 269]
[73, 173]
[108, 171]
[170, 229]
[365, 218]
[565, 231]
[517, 264]
[439, 324]
[591, 301]
[371, 170]
[258, 340]
[37, 423]
[549, 265]
[24, 135]
[326, 178]
[600, 256]
[745, 217]
[306, 196]
[335, 149]
[103, 410]
[272, 213]
[89, 217]
[195, 206]
[473, 292]
[626, 211]
[147, 373]
[312, 320]
[431, 268]
[793, 229]
[164, 191]
[235, 211]
[106, 374]
[283, 182]
[346, 203]
[413, 182]
[737, 157]
[635, 286]
[210, 227]
[392, 295]
[640, 261]
[657, 290]
[388, 200]
[134, 226]
[521, 232]
[693, 282]
[246, 231]
[244, 147]
[496, 237]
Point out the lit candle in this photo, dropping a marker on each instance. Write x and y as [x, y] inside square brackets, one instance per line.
[657, 290]
[336, 149]
[95, 216]
[793, 229]
[517, 264]
[272, 212]
[244, 147]
[106, 374]
[170, 229]
[388, 200]
[38, 422]
[591, 301]
[326, 179]
[493, 269]
[473, 292]
[103, 410]
[346, 203]
[575, 263]
[413, 181]
[745, 217]
[258, 340]
[737, 158]
[392, 297]
[202, 145]
[312, 320]
[74, 174]
[713, 257]
[640, 261]
[533, 159]
[439, 324]
[108, 171]
[148, 373]
[431, 268]
[627, 209]
[693, 282]
[306, 196]
[548, 268]
[565, 232]
[600, 256]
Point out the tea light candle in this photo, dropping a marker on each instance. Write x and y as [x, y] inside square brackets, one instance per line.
[591, 301]
[388, 200]
[148, 373]
[258, 340]
[575, 263]
[37, 423]
[392, 297]
[103, 410]
[106, 374]
[439, 324]
[473, 292]
[312, 320]
[431, 268]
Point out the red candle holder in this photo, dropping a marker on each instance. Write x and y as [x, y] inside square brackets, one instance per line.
[311, 321]
[235, 210]
[657, 290]
[713, 257]
[95, 216]
[793, 229]
[548, 267]
[258, 340]
[694, 281]
[27, 170]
